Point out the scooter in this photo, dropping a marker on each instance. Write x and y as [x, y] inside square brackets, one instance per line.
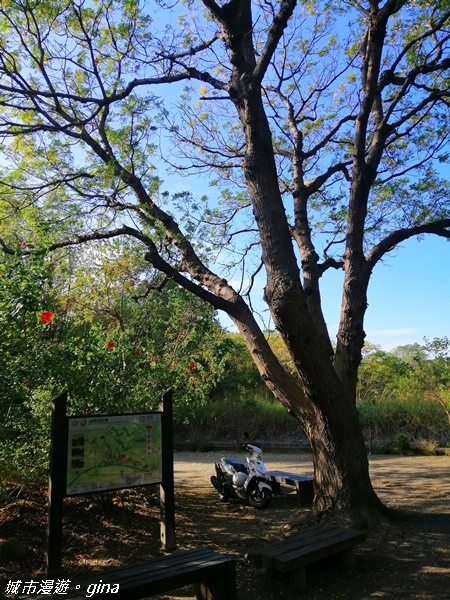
[249, 482]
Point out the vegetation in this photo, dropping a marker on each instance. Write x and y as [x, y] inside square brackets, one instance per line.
[116, 335]
[404, 395]
[323, 127]
[403, 401]
[108, 335]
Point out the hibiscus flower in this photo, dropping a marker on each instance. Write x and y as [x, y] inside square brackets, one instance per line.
[46, 316]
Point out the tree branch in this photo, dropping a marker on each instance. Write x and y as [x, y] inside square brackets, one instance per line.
[273, 37]
[330, 263]
[329, 136]
[430, 32]
[313, 185]
[440, 228]
[154, 258]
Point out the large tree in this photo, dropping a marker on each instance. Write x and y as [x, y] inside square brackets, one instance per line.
[334, 112]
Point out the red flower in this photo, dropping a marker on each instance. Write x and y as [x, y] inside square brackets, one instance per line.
[46, 316]
[25, 382]
[192, 365]
[110, 345]
[23, 244]
[137, 351]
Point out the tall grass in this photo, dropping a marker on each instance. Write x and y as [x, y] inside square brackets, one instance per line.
[390, 419]
[231, 417]
[384, 422]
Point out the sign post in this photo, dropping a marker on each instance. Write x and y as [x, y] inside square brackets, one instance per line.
[167, 487]
[56, 484]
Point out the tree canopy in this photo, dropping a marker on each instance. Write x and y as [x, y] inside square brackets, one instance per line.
[324, 127]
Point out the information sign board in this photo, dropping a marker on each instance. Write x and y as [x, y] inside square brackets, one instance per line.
[111, 452]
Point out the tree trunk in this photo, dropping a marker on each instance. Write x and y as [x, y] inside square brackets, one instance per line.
[325, 407]
[341, 470]
[351, 333]
[330, 420]
[331, 423]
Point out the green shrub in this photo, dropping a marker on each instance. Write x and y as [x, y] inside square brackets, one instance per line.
[403, 443]
[229, 418]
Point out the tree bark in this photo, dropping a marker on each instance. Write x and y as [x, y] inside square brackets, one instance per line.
[331, 420]
[366, 160]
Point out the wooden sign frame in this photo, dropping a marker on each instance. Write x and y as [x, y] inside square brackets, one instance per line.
[58, 479]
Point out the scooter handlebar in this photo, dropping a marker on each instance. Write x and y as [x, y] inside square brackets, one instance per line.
[252, 449]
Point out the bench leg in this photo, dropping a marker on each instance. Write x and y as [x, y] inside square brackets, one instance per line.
[215, 591]
[297, 579]
[305, 493]
[276, 487]
[202, 592]
[220, 587]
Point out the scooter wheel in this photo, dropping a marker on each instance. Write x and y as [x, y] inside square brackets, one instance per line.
[259, 498]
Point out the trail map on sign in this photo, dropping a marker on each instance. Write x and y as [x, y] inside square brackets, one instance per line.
[113, 452]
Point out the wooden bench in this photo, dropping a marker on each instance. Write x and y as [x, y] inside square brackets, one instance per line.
[304, 484]
[212, 573]
[290, 557]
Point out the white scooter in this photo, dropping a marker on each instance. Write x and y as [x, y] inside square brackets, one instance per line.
[249, 482]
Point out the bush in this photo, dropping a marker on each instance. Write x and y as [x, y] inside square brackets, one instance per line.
[403, 443]
[397, 423]
[229, 418]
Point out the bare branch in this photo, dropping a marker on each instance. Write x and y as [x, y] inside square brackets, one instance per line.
[158, 287]
[430, 32]
[273, 37]
[440, 228]
[330, 263]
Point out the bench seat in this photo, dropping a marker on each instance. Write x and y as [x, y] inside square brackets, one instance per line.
[304, 484]
[212, 573]
[291, 556]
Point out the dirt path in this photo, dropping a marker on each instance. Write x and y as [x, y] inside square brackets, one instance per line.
[409, 482]
[406, 561]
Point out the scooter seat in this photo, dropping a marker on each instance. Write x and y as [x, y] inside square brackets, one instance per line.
[237, 466]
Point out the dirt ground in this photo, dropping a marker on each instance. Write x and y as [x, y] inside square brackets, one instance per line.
[408, 560]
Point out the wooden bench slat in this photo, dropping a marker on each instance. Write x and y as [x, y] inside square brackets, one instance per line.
[200, 566]
[257, 555]
[288, 478]
[299, 544]
[161, 582]
[174, 571]
[116, 574]
[307, 542]
[290, 556]
[293, 559]
[304, 484]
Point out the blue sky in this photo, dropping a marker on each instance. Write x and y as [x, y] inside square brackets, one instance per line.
[409, 295]
[409, 292]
